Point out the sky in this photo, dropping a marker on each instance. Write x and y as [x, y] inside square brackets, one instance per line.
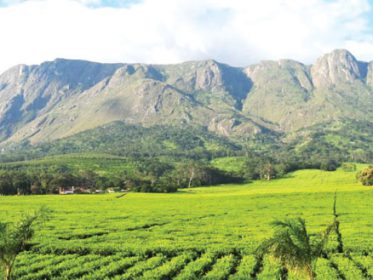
[237, 32]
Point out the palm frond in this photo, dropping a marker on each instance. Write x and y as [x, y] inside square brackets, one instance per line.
[322, 241]
[290, 243]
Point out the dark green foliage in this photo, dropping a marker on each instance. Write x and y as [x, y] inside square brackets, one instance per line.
[157, 174]
[49, 180]
[146, 175]
[329, 165]
[347, 140]
[6, 186]
[256, 168]
[132, 141]
[264, 167]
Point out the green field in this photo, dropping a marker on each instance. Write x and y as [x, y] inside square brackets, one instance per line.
[102, 164]
[198, 233]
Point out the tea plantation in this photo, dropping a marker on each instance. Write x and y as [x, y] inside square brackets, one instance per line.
[197, 233]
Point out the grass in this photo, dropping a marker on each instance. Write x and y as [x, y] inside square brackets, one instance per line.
[227, 221]
[229, 164]
[103, 164]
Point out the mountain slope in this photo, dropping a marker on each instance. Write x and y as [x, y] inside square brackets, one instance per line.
[28, 92]
[61, 98]
[294, 96]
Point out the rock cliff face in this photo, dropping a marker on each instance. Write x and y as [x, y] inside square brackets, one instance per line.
[337, 67]
[370, 74]
[60, 98]
[27, 92]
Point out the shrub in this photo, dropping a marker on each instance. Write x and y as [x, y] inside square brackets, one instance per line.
[348, 167]
[366, 176]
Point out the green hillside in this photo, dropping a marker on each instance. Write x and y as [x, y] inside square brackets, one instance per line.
[345, 140]
[353, 139]
[135, 141]
[103, 164]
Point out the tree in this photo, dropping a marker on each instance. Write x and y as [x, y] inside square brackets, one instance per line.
[267, 171]
[329, 165]
[348, 167]
[44, 178]
[14, 238]
[292, 246]
[36, 188]
[63, 180]
[180, 175]
[6, 186]
[87, 178]
[366, 176]
[192, 173]
[186, 173]
[21, 183]
[250, 171]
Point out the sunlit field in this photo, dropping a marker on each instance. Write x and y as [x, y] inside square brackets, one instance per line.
[196, 233]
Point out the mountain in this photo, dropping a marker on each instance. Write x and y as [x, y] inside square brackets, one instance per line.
[61, 98]
[294, 96]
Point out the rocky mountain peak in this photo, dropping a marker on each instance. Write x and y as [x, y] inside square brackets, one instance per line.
[339, 66]
[207, 74]
[14, 75]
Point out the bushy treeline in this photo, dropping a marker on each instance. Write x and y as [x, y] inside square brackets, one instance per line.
[50, 180]
[157, 176]
[267, 168]
[148, 176]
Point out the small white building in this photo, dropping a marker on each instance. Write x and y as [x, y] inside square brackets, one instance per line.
[69, 190]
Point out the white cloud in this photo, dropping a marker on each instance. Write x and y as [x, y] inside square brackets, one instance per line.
[238, 32]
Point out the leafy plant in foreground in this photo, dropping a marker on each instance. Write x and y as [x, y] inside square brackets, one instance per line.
[14, 238]
[292, 246]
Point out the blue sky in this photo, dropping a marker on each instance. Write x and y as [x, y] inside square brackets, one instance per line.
[237, 32]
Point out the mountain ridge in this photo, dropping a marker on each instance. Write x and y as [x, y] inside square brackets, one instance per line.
[60, 98]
